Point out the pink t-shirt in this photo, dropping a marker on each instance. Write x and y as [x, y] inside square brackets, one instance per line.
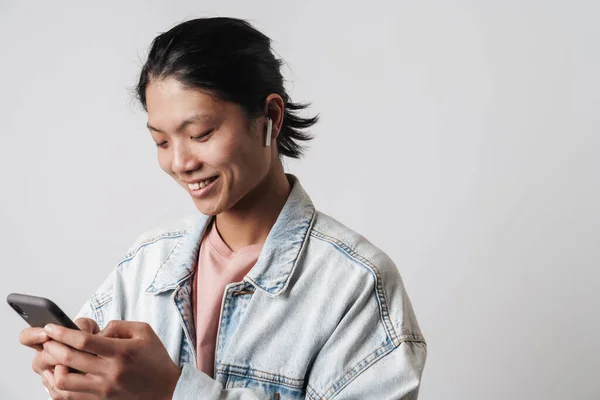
[217, 267]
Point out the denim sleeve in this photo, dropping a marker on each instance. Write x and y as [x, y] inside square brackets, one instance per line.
[377, 351]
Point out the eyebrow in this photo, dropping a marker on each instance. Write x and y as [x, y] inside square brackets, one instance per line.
[194, 118]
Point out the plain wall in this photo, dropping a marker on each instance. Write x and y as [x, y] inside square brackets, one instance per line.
[461, 137]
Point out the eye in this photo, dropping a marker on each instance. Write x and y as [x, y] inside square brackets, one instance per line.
[204, 135]
[161, 145]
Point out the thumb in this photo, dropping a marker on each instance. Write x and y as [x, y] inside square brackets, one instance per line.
[87, 325]
[120, 329]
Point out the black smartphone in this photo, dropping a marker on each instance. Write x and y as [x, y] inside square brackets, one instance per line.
[39, 311]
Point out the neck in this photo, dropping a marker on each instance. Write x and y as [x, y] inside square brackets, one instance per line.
[251, 219]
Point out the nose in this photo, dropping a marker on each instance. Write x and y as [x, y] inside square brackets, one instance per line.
[184, 160]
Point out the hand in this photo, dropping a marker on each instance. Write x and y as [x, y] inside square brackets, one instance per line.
[127, 361]
[43, 363]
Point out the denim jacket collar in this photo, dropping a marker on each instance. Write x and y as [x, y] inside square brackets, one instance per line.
[278, 257]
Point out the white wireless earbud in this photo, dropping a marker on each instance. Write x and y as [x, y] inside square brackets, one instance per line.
[269, 130]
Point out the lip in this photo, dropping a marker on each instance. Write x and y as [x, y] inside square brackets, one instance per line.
[202, 192]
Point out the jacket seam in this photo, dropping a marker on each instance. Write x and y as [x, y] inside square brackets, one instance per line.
[360, 367]
[260, 375]
[280, 286]
[145, 242]
[357, 369]
[162, 264]
[354, 373]
[381, 298]
[96, 305]
[312, 393]
[99, 300]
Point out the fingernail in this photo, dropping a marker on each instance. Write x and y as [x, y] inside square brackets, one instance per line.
[43, 335]
[48, 329]
[47, 375]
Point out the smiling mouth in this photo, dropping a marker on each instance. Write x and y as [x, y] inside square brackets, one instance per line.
[203, 184]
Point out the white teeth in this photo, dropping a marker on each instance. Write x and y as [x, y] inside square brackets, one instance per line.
[201, 185]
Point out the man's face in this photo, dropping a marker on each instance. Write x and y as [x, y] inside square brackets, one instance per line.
[218, 144]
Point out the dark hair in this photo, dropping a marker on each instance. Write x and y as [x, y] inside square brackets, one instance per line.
[231, 60]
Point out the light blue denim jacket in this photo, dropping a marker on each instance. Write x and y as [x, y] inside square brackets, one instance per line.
[323, 314]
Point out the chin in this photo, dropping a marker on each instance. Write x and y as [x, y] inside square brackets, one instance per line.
[206, 209]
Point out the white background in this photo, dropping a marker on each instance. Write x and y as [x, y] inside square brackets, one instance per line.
[461, 137]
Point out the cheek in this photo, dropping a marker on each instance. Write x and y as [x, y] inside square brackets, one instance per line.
[226, 156]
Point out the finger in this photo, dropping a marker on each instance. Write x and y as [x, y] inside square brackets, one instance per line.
[87, 325]
[48, 385]
[84, 341]
[43, 361]
[74, 382]
[48, 380]
[33, 337]
[123, 329]
[58, 394]
[74, 358]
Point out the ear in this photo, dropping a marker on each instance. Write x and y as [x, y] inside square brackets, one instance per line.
[274, 109]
